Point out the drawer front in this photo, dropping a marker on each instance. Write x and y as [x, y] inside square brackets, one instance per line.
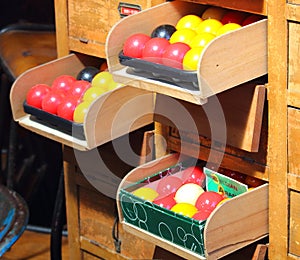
[293, 141]
[91, 20]
[294, 64]
[294, 235]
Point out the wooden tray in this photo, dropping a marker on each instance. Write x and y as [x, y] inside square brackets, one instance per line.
[227, 61]
[110, 116]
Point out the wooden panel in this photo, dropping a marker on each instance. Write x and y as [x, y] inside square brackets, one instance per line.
[294, 2]
[233, 117]
[97, 216]
[293, 141]
[293, 11]
[90, 21]
[258, 7]
[294, 64]
[61, 27]
[294, 231]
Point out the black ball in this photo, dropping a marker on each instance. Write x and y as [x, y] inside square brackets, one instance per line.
[163, 31]
[87, 73]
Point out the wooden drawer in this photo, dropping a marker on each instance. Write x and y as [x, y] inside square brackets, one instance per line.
[214, 74]
[294, 223]
[113, 114]
[97, 220]
[293, 139]
[90, 21]
[246, 218]
[294, 63]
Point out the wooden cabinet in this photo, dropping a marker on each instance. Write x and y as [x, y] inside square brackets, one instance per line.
[283, 96]
[82, 27]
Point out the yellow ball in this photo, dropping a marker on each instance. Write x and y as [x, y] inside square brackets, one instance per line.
[210, 26]
[189, 21]
[102, 79]
[191, 58]
[183, 35]
[80, 111]
[226, 28]
[145, 193]
[202, 39]
[92, 93]
[185, 209]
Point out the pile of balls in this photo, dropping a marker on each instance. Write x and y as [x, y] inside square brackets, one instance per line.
[180, 46]
[70, 97]
[184, 195]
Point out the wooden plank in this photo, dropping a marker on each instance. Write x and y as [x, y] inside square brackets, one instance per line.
[116, 113]
[260, 252]
[246, 221]
[61, 24]
[294, 230]
[293, 10]
[233, 117]
[259, 7]
[277, 143]
[293, 137]
[96, 221]
[294, 64]
[72, 209]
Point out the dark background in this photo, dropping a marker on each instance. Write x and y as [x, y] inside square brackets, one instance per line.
[37, 186]
[40, 11]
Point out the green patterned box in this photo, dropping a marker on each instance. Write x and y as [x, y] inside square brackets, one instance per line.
[178, 229]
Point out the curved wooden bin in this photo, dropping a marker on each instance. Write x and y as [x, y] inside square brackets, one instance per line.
[113, 114]
[227, 61]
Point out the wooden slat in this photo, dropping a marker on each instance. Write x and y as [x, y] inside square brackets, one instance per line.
[293, 139]
[61, 24]
[72, 209]
[293, 10]
[294, 64]
[233, 117]
[246, 221]
[294, 230]
[277, 143]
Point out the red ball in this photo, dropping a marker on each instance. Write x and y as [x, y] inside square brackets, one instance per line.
[194, 175]
[134, 45]
[36, 94]
[208, 201]
[174, 54]
[51, 101]
[233, 16]
[251, 19]
[166, 201]
[78, 88]
[63, 83]
[168, 184]
[66, 108]
[154, 49]
[201, 215]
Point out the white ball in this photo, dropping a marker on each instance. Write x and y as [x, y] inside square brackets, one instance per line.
[188, 193]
